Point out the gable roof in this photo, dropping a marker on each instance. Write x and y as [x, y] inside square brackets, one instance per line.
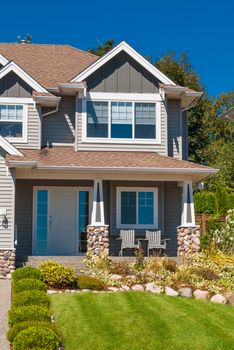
[229, 114]
[49, 65]
[9, 148]
[123, 46]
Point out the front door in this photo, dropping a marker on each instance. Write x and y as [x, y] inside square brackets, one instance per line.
[60, 219]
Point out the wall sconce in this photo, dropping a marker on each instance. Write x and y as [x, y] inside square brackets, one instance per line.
[3, 217]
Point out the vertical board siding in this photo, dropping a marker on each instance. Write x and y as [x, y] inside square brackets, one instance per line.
[13, 86]
[122, 74]
[60, 126]
[185, 144]
[7, 192]
[172, 215]
[34, 129]
[174, 128]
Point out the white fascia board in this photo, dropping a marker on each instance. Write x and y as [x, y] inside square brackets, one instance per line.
[13, 67]
[3, 60]
[9, 148]
[123, 46]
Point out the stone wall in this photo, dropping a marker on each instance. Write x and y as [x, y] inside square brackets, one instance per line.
[7, 262]
[98, 239]
[188, 239]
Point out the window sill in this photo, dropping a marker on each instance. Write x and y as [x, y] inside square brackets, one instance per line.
[122, 141]
[16, 140]
[136, 227]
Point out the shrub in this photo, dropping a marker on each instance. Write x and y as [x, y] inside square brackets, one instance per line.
[30, 297]
[89, 282]
[36, 338]
[205, 273]
[28, 313]
[139, 254]
[56, 275]
[28, 284]
[26, 272]
[18, 327]
[169, 265]
[153, 265]
[182, 277]
[97, 262]
[121, 268]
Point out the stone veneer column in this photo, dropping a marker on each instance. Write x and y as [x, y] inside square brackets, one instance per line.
[7, 262]
[98, 239]
[188, 238]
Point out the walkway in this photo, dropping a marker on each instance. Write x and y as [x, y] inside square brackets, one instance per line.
[5, 304]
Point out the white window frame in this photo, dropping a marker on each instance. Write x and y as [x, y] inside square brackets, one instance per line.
[24, 137]
[122, 97]
[119, 190]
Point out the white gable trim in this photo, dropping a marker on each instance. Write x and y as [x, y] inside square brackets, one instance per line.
[13, 67]
[3, 60]
[8, 147]
[123, 46]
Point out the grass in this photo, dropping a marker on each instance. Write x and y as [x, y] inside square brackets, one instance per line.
[141, 321]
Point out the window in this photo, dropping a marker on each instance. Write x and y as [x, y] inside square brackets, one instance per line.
[122, 120]
[136, 208]
[12, 122]
[97, 119]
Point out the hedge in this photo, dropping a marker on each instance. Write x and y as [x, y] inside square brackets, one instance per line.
[18, 327]
[26, 272]
[28, 284]
[57, 275]
[36, 338]
[30, 297]
[28, 313]
[89, 282]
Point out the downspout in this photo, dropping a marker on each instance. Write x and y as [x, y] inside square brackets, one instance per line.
[51, 112]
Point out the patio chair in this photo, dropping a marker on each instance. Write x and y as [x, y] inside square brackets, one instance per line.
[155, 241]
[128, 240]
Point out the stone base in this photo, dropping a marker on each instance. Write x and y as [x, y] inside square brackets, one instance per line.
[7, 262]
[98, 239]
[188, 239]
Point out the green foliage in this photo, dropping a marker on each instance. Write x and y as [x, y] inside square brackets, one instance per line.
[121, 268]
[169, 265]
[27, 39]
[205, 202]
[206, 273]
[56, 275]
[36, 338]
[30, 297]
[26, 272]
[139, 254]
[102, 49]
[28, 284]
[89, 282]
[18, 327]
[28, 313]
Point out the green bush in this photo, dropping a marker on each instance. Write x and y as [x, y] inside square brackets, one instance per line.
[56, 275]
[26, 272]
[28, 313]
[28, 284]
[36, 338]
[205, 202]
[89, 282]
[18, 327]
[30, 297]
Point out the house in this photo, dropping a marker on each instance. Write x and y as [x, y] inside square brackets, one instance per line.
[90, 146]
[227, 115]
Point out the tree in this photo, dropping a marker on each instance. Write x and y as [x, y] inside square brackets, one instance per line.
[101, 49]
[26, 40]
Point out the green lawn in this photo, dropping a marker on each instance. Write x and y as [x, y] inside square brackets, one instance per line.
[131, 320]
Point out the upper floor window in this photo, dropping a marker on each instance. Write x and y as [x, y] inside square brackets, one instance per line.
[13, 122]
[122, 120]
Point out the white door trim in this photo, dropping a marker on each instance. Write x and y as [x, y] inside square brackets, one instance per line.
[62, 188]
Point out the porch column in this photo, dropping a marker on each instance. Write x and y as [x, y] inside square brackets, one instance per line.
[188, 233]
[97, 231]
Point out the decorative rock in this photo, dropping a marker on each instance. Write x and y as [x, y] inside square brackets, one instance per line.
[201, 294]
[51, 291]
[98, 239]
[7, 263]
[131, 277]
[138, 287]
[188, 240]
[230, 298]
[186, 292]
[85, 290]
[153, 288]
[171, 292]
[116, 277]
[113, 289]
[124, 287]
[218, 299]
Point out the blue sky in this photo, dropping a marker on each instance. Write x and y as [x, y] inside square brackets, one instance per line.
[203, 28]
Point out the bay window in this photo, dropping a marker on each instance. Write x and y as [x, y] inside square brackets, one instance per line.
[122, 120]
[13, 122]
[136, 208]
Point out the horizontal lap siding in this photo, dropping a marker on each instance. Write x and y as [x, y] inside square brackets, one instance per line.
[7, 202]
[60, 126]
[174, 128]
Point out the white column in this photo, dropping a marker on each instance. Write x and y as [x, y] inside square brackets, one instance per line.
[97, 216]
[188, 213]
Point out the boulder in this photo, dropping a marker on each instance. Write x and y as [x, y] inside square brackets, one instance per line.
[201, 294]
[171, 292]
[153, 288]
[138, 287]
[51, 291]
[124, 287]
[116, 277]
[113, 289]
[85, 290]
[186, 292]
[218, 299]
[230, 298]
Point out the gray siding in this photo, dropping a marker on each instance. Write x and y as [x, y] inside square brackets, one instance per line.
[60, 127]
[185, 135]
[174, 128]
[34, 129]
[172, 215]
[7, 190]
[13, 86]
[122, 74]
